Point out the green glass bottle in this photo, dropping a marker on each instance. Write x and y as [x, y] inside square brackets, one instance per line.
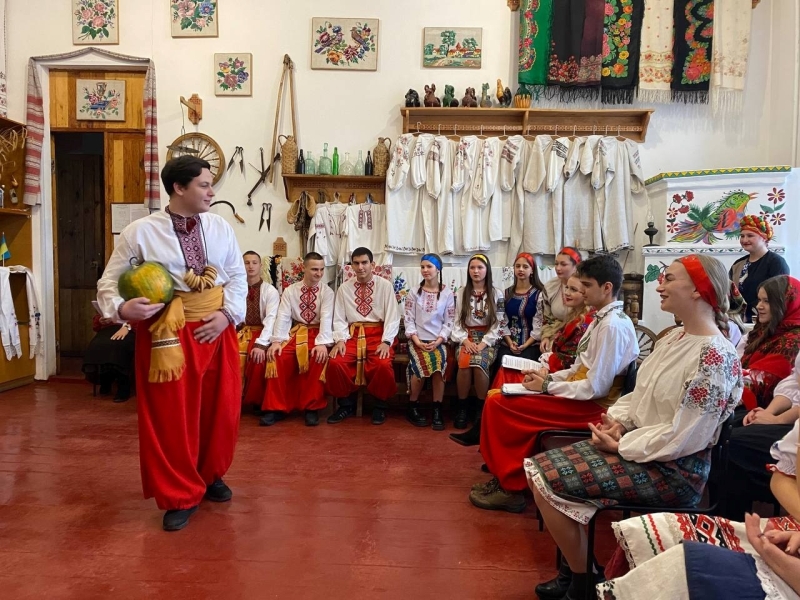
[335, 170]
[325, 162]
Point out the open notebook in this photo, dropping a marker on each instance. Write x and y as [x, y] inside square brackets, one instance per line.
[518, 363]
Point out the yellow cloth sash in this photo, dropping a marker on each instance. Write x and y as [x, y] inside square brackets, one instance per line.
[245, 334]
[361, 347]
[300, 332]
[614, 393]
[167, 361]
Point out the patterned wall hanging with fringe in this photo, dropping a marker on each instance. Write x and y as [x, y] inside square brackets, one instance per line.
[621, 42]
[576, 48]
[691, 70]
[534, 42]
[658, 51]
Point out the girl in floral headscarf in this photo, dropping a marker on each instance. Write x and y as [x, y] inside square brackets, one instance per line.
[773, 344]
[760, 264]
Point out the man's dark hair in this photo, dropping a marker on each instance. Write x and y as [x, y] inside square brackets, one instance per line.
[361, 251]
[182, 170]
[312, 256]
[252, 253]
[603, 269]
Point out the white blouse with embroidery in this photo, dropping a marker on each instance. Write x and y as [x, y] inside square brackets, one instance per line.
[476, 317]
[427, 316]
[684, 392]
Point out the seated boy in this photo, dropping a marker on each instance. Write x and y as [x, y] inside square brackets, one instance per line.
[305, 318]
[365, 322]
[569, 399]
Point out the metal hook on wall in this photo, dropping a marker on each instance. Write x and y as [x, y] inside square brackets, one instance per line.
[440, 129]
[417, 126]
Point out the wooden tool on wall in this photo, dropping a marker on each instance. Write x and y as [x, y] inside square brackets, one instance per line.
[195, 106]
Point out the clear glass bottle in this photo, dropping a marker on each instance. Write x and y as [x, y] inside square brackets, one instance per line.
[325, 166]
[347, 168]
[335, 169]
[359, 169]
[311, 165]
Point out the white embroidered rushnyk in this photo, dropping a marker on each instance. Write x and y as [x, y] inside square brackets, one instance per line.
[477, 211]
[34, 326]
[366, 227]
[464, 167]
[402, 199]
[330, 231]
[505, 191]
[9, 330]
[618, 170]
[439, 187]
[537, 216]
[556, 179]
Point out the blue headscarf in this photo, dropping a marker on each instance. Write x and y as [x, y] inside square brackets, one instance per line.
[433, 259]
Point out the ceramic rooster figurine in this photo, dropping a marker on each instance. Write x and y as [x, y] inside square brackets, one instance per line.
[503, 95]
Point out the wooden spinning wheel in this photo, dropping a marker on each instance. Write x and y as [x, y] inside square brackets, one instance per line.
[647, 341]
[201, 146]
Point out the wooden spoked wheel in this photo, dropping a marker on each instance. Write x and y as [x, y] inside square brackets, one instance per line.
[204, 147]
[646, 339]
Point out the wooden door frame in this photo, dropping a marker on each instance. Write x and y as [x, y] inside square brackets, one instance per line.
[54, 209]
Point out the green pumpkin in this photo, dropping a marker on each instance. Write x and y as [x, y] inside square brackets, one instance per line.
[146, 280]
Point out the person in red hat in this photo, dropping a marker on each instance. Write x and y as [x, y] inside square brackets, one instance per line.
[750, 271]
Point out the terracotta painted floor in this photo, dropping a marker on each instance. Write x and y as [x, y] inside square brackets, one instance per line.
[348, 511]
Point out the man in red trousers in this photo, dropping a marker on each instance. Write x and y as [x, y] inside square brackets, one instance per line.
[188, 378]
[365, 323]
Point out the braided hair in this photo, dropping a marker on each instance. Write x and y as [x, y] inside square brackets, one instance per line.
[719, 279]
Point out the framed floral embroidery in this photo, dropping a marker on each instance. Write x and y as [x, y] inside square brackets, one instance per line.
[194, 18]
[344, 44]
[95, 22]
[100, 100]
[233, 74]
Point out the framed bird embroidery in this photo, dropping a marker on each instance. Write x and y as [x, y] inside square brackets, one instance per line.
[344, 44]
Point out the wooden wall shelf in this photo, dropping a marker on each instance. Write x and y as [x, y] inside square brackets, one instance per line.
[360, 185]
[629, 123]
[20, 212]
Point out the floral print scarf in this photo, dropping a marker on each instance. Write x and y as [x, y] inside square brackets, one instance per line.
[691, 69]
[576, 48]
[621, 44]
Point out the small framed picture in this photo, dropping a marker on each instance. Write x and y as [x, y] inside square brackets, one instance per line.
[452, 47]
[233, 74]
[344, 44]
[100, 99]
[194, 18]
[95, 22]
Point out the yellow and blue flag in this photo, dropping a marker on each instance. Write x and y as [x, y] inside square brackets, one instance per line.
[5, 253]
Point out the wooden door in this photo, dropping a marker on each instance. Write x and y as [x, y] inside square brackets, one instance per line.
[80, 235]
[124, 175]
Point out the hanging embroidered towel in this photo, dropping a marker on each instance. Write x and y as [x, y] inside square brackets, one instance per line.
[731, 45]
[621, 44]
[655, 63]
[534, 41]
[576, 48]
[691, 70]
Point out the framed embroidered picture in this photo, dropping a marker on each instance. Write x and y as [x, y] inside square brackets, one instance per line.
[452, 47]
[194, 18]
[233, 74]
[95, 22]
[100, 100]
[344, 44]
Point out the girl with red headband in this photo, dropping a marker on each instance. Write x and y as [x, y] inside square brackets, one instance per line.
[653, 446]
[552, 308]
[522, 331]
[750, 271]
[479, 322]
